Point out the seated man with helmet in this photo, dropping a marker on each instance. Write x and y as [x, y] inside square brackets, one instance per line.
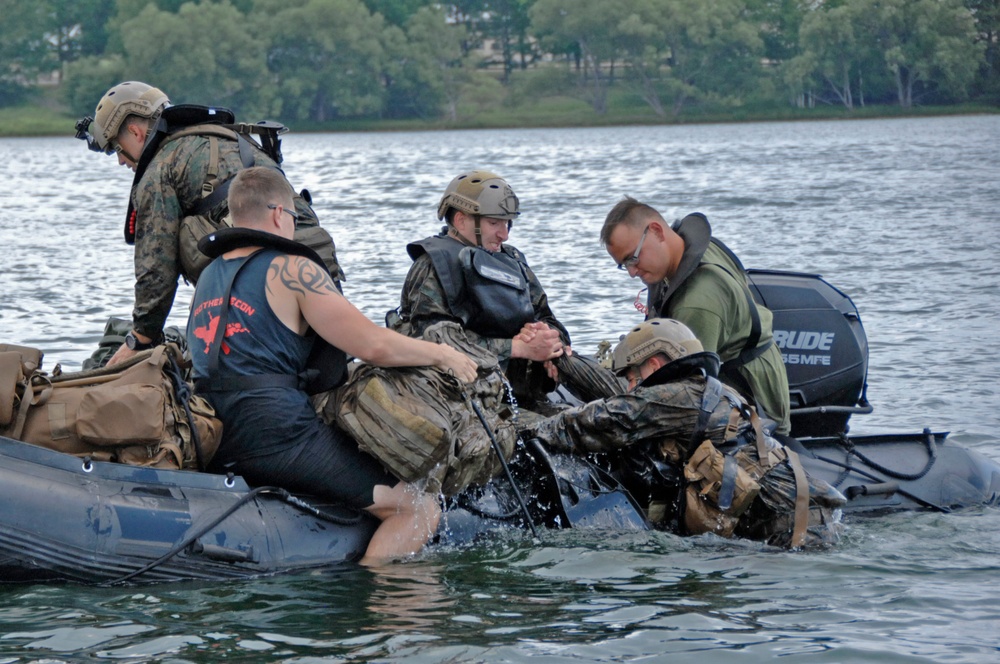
[184, 158]
[468, 274]
[691, 450]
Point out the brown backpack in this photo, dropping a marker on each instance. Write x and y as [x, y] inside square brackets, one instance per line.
[139, 412]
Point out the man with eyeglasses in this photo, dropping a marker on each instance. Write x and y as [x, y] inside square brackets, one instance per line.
[257, 314]
[694, 278]
[469, 274]
[183, 160]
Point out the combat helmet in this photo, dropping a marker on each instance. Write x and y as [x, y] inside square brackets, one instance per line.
[121, 101]
[480, 193]
[657, 335]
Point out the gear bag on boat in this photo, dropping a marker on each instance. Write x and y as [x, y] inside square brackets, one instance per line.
[419, 422]
[139, 412]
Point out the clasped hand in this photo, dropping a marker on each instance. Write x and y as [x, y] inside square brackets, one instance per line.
[541, 343]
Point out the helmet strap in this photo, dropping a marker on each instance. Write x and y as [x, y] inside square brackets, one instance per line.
[479, 230]
[453, 231]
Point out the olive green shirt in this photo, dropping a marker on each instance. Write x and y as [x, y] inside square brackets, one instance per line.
[712, 302]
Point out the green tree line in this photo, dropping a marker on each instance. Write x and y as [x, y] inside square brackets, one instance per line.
[323, 60]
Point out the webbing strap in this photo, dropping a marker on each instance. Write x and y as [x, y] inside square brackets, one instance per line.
[212, 176]
[801, 499]
[214, 192]
[728, 487]
[26, 402]
[709, 400]
[758, 433]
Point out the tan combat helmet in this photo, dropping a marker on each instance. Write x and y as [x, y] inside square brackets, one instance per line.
[658, 335]
[121, 101]
[480, 193]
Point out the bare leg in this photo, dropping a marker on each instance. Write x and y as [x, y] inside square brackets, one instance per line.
[409, 518]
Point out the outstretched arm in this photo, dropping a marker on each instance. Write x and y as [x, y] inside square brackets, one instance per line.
[609, 424]
[302, 292]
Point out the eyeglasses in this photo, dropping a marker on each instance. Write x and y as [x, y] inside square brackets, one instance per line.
[293, 215]
[633, 260]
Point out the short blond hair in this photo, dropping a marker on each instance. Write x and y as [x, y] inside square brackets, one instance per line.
[630, 212]
[253, 189]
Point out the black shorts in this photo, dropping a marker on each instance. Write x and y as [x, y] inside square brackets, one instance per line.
[327, 464]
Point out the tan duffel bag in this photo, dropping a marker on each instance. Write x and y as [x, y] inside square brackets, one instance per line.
[139, 412]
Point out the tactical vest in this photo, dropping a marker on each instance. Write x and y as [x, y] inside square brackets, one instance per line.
[710, 486]
[190, 120]
[488, 291]
[326, 367]
[209, 213]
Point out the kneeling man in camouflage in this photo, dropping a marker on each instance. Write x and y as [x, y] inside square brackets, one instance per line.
[691, 450]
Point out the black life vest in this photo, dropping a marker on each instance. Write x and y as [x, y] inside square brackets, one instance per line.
[326, 367]
[488, 291]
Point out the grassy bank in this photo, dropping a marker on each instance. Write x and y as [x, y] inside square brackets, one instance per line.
[43, 120]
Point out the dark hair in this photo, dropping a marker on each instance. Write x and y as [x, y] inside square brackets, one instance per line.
[627, 211]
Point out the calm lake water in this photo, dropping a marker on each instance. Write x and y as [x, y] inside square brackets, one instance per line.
[900, 214]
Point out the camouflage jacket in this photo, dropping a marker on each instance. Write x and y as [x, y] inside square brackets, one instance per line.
[424, 303]
[660, 414]
[169, 189]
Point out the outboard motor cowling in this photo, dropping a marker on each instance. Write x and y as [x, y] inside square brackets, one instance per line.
[824, 347]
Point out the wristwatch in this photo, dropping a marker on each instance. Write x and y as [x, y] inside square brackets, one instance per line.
[135, 344]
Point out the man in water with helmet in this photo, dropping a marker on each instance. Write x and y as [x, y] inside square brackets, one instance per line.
[183, 158]
[691, 450]
[470, 275]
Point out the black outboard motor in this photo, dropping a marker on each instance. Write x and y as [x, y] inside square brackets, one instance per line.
[819, 332]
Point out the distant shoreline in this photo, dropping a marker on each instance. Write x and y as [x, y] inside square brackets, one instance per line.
[40, 121]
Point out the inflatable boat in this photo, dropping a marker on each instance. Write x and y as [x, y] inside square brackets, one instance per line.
[77, 520]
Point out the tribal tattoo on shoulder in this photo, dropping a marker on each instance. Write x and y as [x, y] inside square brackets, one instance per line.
[301, 275]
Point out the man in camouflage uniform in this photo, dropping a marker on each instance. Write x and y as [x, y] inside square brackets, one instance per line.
[508, 315]
[691, 450]
[172, 177]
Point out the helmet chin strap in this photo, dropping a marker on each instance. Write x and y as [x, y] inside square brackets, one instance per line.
[461, 238]
[479, 230]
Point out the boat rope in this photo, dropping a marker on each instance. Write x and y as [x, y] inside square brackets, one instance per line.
[183, 393]
[246, 498]
[876, 478]
[469, 505]
[503, 463]
[849, 447]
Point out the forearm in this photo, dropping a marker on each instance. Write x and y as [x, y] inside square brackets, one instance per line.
[616, 422]
[156, 259]
[599, 426]
[155, 287]
[386, 348]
